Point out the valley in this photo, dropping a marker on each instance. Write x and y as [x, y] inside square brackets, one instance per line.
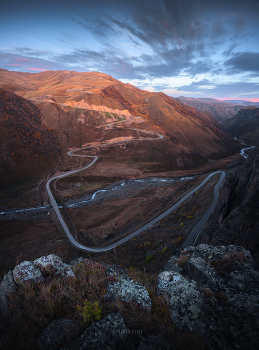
[126, 156]
[129, 184]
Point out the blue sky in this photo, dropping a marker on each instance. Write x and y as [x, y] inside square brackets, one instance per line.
[190, 48]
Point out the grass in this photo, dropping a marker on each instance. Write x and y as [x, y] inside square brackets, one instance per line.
[34, 307]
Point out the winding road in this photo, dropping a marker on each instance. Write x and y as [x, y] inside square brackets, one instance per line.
[193, 234]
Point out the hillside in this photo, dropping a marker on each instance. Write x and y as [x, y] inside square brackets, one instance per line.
[244, 125]
[27, 146]
[220, 110]
[191, 132]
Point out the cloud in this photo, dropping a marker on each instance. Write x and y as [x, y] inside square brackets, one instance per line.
[180, 36]
[207, 88]
[243, 62]
[150, 39]
[33, 62]
[38, 69]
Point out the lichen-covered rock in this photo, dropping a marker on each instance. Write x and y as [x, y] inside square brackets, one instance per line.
[154, 342]
[117, 272]
[7, 287]
[126, 289]
[129, 291]
[27, 272]
[109, 333]
[183, 297]
[215, 292]
[52, 265]
[58, 334]
[172, 265]
[202, 271]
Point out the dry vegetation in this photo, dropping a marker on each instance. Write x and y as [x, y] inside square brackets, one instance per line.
[34, 307]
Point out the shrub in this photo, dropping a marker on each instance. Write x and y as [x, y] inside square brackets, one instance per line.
[181, 224]
[164, 250]
[178, 241]
[90, 311]
[149, 258]
[196, 193]
[189, 217]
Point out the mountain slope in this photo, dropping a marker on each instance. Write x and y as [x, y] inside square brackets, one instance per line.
[189, 130]
[245, 125]
[220, 110]
[27, 146]
[183, 124]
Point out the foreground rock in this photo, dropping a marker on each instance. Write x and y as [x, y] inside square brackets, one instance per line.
[110, 332]
[215, 292]
[27, 272]
[53, 265]
[58, 334]
[7, 287]
[126, 289]
[33, 272]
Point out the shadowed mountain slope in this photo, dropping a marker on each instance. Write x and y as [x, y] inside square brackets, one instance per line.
[220, 110]
[27, 146]
[244, 125]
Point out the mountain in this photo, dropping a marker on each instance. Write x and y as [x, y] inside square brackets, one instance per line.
[67, 100]
[220, 110]
[27, 146]
[235, 219]
[244, 102]
[244, 125]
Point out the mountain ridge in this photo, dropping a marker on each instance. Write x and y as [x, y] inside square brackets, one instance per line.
[244, 125]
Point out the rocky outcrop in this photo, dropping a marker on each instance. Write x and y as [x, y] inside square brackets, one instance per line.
[110, 331]
[214, 291]
[38, 271]
[58, 334]
[126, 289]
[235, 219]
[27, 272]
[53, 265]
[7, 287]
[211, 291]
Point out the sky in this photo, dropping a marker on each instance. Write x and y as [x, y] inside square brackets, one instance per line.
[198, 48]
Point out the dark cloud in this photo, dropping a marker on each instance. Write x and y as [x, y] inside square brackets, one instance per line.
[244, 62]
[170, 38]
[178, 33]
